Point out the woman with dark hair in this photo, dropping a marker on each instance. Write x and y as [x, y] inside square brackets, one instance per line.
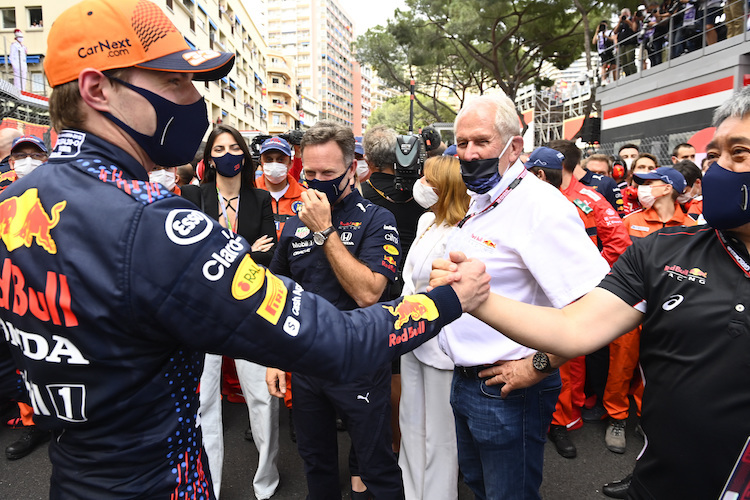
[228, 194]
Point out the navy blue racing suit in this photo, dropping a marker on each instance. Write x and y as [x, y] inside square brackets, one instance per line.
[111, 290]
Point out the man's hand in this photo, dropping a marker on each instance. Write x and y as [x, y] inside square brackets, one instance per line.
[316, 211]
[517, 374]
[276, 382]
[468, 277]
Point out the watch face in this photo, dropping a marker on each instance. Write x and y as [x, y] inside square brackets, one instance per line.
[540, 361]
[318, 238]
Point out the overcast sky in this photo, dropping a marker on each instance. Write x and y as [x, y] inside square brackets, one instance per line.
[369, 13]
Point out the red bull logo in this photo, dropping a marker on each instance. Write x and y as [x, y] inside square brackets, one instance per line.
[23, 220]
[413, 307]
[389, 260]
[9, 176]
[697, 272]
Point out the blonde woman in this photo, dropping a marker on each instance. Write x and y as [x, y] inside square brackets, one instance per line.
[429, 456]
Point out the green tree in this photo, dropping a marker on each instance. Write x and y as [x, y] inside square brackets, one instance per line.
[394, 113]
[504, 42]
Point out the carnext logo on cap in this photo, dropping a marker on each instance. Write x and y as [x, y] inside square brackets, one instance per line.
[112, 47]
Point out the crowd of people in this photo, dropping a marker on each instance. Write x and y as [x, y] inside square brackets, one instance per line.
[451, 328]
[658, 32]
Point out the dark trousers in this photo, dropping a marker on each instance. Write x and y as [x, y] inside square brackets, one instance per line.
[364, 405]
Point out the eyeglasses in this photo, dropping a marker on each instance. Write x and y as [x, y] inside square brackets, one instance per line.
[34, 156]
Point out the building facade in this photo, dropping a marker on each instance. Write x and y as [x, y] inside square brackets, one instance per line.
[241, 99]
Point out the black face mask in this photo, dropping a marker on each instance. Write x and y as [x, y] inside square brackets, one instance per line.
[179, 128]
[480, 175]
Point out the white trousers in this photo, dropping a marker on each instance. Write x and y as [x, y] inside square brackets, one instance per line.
[264, 422]
[429, 451]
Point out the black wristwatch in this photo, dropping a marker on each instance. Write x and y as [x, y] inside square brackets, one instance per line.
[320, 237]
[541, 362]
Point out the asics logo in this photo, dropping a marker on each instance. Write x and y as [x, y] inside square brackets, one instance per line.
[672, 302]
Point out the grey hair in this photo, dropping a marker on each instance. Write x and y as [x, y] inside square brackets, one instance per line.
[737, 106]
[506, 118]
[379, 144]
[326, 131]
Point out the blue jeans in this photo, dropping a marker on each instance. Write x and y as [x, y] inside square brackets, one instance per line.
[501, 441]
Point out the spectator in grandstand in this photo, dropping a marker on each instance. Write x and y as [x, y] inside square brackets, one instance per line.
[683, 151]
[606, 230]
[684, 27]
[692, 199]
[627, 40]
[429, 456]
[605, 41]
[735, 17]
[710, 9]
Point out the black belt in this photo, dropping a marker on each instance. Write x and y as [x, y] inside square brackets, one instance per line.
[471, 372]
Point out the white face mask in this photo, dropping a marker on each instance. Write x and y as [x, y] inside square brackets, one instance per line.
[163, 177]
[362, 169]
[424, 194]
[25, 166]
[628, 163]
[19, 38]
[275, 172]
[645, 197]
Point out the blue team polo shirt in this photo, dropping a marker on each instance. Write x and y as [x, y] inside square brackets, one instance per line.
[368, 232]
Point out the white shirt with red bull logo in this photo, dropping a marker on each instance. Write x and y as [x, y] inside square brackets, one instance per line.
[111, 290]
[536, 250]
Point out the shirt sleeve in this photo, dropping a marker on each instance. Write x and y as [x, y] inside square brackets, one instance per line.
[627, 277]
[381, 247]
[202, 289]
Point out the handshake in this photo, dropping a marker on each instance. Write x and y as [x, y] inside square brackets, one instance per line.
[467, 277]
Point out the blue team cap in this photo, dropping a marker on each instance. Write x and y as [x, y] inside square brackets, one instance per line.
[276, 143]
[666, 174]
[29, 139]
[545, 158]
[451, 150]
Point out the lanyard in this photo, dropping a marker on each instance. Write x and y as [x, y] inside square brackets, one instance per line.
[736, 257]
[499, 199]
[224, 210]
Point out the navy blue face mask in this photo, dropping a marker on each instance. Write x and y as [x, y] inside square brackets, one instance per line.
[228, 165]
[726, 197]
[179, 128]
[330, 188]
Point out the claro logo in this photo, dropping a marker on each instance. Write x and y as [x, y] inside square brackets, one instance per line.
[112, 48]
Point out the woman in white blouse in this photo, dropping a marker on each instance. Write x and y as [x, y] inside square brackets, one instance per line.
[429, 456]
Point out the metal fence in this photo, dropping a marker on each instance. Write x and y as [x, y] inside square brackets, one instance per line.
[688, 28]
[660, 146]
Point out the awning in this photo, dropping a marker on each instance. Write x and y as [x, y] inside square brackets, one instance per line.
[190, 44]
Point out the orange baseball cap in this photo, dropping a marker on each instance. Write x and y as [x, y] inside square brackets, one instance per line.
[111, 34]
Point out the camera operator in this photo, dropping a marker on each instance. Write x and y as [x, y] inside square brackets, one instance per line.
[627, 41]
[605, 41]
[684, 27]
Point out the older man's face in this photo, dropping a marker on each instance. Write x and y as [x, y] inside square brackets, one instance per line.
[730, 146]
[476, 136]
